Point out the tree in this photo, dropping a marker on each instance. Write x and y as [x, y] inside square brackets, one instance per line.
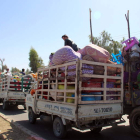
[2, 60]
[13, 70]
[27, 71]
[4, 68]
[105, 40]
[35, 60]
[40, 62]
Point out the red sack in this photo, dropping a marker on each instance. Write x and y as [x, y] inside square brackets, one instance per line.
[92, 84]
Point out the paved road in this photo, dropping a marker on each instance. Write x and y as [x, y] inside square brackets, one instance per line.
[44, 129]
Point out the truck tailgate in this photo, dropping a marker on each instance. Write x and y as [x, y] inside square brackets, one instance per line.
[99, 111]
[16, 95]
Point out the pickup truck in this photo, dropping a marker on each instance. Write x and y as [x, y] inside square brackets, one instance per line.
[81, 94]
[12, 92]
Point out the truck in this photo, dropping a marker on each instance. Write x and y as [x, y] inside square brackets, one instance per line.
[13, 90]
[132, 93]
[81, 94]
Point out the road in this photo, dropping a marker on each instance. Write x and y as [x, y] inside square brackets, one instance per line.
[44, 129]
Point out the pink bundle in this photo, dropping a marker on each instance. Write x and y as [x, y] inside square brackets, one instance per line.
[98, 54]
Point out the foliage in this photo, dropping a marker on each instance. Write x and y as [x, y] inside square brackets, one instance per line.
[35, 60]
[27, 71]
[13, 70]
[4, 68]
[40, 62]
[105, 40]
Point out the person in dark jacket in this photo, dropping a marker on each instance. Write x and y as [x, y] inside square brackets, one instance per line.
[69, 42]
[23, 72]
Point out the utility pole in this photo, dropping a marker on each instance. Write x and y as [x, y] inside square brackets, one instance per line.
[127, 19]
[2, 60]
[129, 62]
[91, 26]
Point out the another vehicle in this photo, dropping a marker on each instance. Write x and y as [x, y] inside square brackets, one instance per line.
[12, 92]
[132, 95]
[78, 94]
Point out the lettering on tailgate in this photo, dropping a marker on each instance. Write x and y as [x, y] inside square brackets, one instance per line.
[22, 94]
[103, 110]
[64, 110]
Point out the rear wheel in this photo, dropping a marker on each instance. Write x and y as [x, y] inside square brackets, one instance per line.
[58, 128]
[31, 116]
[96, 130]
[135, 121]
[5, 105]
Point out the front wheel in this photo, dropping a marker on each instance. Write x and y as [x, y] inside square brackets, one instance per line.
[135, 121]
[24, 106]
[0, 100]
[31, 116]
[5, 105]
[58, 128]
[96, 130]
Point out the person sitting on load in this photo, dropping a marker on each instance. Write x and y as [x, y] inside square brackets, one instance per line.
[23, 72]
[69, 42]
[8, 72]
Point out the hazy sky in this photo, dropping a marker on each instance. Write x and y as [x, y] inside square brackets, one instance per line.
[41, 23]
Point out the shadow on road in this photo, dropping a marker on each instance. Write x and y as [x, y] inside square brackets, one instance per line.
[44, 129]
[10, 132]
[12, 110]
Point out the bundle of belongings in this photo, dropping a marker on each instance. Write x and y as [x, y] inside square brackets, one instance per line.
[16, 82]
[131, 56]
[90, 53]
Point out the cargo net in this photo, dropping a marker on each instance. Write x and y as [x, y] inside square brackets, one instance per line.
[11, 83]
[80, 82]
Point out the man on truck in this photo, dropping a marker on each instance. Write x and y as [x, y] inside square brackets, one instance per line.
[69, 42]
[23, 72]
[8, 72]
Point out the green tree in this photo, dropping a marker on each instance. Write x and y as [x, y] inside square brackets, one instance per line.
[27, 71]
[35, 60]
[4, 68]
[13, 70]
[105, 41]
[40, 62]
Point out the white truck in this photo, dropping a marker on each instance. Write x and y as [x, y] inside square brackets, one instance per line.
[12, 92]
[81, 94]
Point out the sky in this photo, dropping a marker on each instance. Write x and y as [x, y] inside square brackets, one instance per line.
[41, 23]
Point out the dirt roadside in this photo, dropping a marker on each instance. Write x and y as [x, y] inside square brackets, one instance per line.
[10, 132]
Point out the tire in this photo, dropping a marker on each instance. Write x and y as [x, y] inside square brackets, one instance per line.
[5, 105]
[135, 121]
[31, 116]
[24, 106]
[59, 129]
[96, 130]
[0, 100]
